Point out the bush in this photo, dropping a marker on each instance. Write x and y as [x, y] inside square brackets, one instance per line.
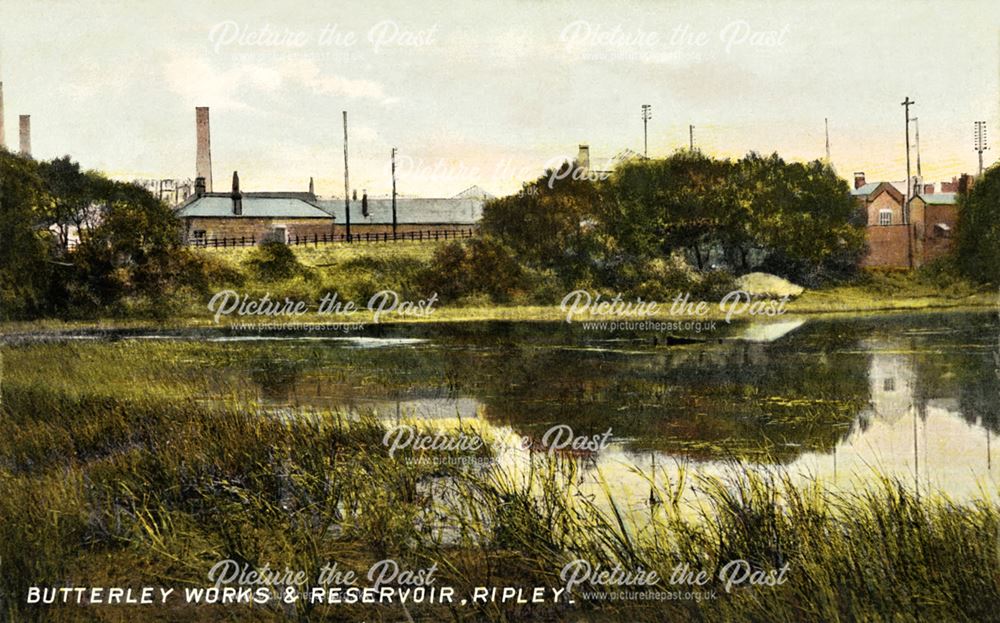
[477, 266]
[274, 261]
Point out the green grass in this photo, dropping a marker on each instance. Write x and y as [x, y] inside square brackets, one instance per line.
[107, 478]
[356, 272]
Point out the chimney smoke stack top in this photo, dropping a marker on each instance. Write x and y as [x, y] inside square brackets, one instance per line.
[237, 195]
[583, 158]
[203, 158]
[25, 127]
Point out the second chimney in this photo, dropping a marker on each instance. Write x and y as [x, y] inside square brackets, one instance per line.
[237, 195]
[25, 122]
[859, 179]
[583, 158]
[203, 159]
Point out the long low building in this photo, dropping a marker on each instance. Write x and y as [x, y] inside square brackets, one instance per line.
[412, 214]
[240, 217]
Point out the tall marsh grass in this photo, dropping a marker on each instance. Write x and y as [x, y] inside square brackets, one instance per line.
[107, 483]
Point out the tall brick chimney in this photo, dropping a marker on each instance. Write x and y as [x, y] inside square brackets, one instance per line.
[3, 140]
[199, 186]
[583, 158]
[859, 179]
[203, 160]
[237, 195]
[25, 127]
[312, 189]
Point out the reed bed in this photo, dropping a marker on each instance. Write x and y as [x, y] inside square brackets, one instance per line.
[109, 484]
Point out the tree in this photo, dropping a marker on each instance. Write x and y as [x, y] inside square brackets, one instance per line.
[75, 197]
[548, 224]
[25, 268]
[978, 248]
[653, 207]
[801, 217]
[134, 250]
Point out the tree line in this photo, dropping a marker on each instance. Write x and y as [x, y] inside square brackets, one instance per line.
[687, 221]
[127, 254]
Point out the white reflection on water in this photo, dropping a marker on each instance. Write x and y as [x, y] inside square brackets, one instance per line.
[921, 440]
[356, 342]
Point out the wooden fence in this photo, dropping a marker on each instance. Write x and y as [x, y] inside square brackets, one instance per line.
[426, 235]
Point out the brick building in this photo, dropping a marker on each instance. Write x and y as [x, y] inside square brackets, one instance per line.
[242, 218]
[900, 234]
[251, 216]
[284, 216]
[374, 215]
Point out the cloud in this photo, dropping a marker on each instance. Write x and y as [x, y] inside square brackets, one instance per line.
[202, 83]
[306, 73]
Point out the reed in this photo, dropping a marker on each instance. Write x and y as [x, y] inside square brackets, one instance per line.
[103, 482]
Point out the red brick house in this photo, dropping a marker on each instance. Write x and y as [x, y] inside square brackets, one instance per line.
[901, 235]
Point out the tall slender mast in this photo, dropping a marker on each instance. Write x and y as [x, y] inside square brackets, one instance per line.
[646, 116]
[347, 185]
[916, 137]
[981, 143]
[826, 124]
[393, 193]
[909, 192]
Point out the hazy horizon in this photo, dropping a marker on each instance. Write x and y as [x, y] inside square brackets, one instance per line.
[489, 94]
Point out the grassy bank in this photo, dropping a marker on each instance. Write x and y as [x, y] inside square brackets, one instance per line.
[109, 478]
[356, 272]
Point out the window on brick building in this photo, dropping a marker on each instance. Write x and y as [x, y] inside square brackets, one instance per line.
[885, 217]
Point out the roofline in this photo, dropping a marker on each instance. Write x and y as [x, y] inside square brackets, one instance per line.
[885, 187]
[954, 200]
[327, 217]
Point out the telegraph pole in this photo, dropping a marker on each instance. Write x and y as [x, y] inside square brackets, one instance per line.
[826, 125]
[647, 114]
[393, 193]
[980, 143]
[906, 106]
[347, 185]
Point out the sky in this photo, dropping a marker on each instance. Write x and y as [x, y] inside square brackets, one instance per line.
[490, 93]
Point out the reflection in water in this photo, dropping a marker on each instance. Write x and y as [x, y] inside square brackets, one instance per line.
[910, 398]
[915, 397]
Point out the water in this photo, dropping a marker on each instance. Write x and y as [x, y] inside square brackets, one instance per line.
[916, 397]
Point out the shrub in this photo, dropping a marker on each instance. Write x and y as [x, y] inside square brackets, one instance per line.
[477, 266]
[274, 261]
